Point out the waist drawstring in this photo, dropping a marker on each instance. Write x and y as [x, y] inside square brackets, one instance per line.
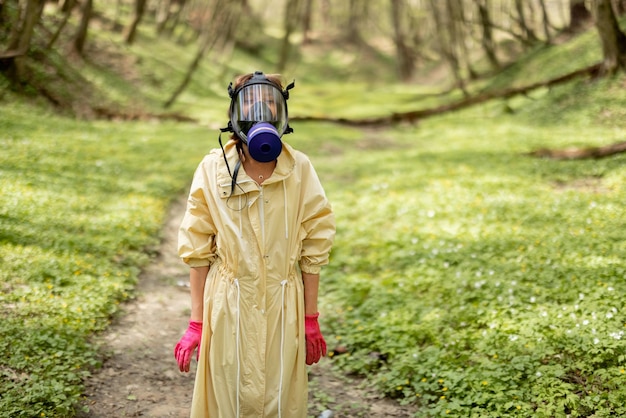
[282, 346]
[237, 344]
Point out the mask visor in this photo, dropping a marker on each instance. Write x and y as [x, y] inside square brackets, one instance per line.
[259, 103]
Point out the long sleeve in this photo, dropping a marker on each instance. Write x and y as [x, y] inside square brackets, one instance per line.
[318, 225]
[196, 236]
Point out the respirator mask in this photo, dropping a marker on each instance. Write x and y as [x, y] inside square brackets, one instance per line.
[258, 116]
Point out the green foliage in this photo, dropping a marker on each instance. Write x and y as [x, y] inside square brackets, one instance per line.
[477, 281]
[81, 209]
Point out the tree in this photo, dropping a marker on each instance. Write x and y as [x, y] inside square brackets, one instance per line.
[528, 35]
[447, 39]
[612, 38]
[292, 18]
[66, 8]
[168, 15]
[487, 41]
[131, 29]
[81, 34]
[19, 41]
[579, 15]
[306, 21]
[357, 14]
[546, 20]
[404, 54]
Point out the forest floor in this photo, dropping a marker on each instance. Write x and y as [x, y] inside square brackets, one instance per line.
[140, 377]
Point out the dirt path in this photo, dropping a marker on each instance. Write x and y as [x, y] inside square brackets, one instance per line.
[140, 376]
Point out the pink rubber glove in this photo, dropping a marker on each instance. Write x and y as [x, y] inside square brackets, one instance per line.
[186, 345]
[315, 344]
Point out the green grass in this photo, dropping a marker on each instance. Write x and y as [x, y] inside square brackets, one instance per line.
[82, 206]
[488, 282]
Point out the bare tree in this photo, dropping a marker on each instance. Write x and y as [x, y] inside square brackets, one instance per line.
[307, 16]
[66, 8]
[81, 34]
[67, 5]
[461, 35]
[404, 53]
[579, 15]
[486, 25]
[528, 35]
[292, 18]
[446, 40]
[356, 15]
[613, 39]
[545, 18]
[163, 15]
[13, 59]
[131, 29]
[168, 15]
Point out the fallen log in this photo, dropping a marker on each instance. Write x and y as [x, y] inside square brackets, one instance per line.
[580, 153]
[415, 115]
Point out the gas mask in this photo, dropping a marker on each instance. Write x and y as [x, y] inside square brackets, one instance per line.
[258, 116]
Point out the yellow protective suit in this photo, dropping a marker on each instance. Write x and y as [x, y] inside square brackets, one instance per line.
[252, 356]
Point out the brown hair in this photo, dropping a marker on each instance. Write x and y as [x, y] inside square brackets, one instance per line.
[275, 79]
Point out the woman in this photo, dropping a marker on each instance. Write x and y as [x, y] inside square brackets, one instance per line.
[255, 240]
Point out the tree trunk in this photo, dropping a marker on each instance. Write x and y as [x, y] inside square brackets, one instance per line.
[81, 34]
[292, 14]
[612, 38]
[356, 15]
[545, 19]
[527, 33]
[581, 153]
[131, 29]
[487, 32]
[175, 17]
[19, 43]
[579, 15]
[406, 58]
[445, 34]
[163, 15]
[66, 9]
[306, 21]
[67, 5]
[458, 24]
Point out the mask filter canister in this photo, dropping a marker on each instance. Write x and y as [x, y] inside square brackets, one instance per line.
[264, 142]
